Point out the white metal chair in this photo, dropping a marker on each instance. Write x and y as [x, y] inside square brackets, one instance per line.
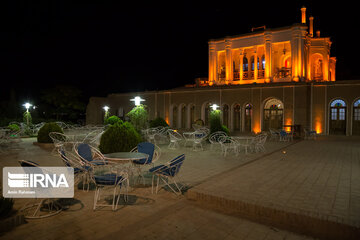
[228, 144]
[153, 152]
[168, 173]
[215, 138]
[109, 177]
[259, 142]
[175, 138]
[309, 134]
[45, 208]
[89, 154]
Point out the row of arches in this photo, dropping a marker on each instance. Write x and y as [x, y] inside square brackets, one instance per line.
[338, 115]
[239, 117]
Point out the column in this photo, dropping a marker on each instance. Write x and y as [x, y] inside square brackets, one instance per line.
[301, 63]
[212, 63]
[268, 73]
[241, 70]
[295, 56]
[255, 64]
[228, 62]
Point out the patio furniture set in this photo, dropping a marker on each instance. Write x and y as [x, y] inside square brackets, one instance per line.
[112, 170]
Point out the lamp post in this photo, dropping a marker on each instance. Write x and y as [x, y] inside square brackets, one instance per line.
[214, 107]
[137, 100]
[106, 109]
[27, 106]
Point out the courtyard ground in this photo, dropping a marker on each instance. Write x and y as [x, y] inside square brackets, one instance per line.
[256, 196]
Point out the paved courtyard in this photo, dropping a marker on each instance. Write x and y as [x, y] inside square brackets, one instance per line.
[316, 177]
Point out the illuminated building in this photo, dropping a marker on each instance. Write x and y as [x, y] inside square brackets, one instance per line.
[269, 78]
[272, 55]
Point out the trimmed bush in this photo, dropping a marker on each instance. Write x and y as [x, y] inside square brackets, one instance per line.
[14, 127]
[112, 120]
[43, 134]
[139, 117]
[120, 137]
[158, 122]
[215, 122]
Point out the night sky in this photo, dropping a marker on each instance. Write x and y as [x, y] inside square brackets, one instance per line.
[109, 48]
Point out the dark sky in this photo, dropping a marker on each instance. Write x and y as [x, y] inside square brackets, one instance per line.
[107, 48]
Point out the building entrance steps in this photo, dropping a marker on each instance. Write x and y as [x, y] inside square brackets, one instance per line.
[311, 187]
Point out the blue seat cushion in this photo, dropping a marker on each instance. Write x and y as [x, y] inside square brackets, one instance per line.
[107, 179]
[28, 164]
[84, 151]
[283, 133]
[147, 148]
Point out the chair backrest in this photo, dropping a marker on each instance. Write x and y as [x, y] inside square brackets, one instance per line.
[174, 135]
[57, 138]
[217, 136]
[147, 148]
[25, 163]
[85, 152]
[71, 160]
[175, 164]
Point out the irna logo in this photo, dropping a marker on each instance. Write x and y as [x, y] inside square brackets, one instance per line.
[36, 180]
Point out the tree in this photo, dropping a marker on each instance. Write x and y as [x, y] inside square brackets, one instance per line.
[139, 117]
[64, 101]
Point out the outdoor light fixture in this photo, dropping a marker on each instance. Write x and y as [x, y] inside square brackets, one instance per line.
[27, 106]
[137, 100]
[214, 107]
[106, 108]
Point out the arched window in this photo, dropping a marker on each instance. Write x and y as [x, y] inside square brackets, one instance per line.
[245, 64]
[192, 114]
[237, 117]
[337, 117]
[338, 103]
[356, 118]
[226, 115]
[248, 115]
[273, 114]
[263, 62]
[183, 116]
[252, 63]
[175, 117]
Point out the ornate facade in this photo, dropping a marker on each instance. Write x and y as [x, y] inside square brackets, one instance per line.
[265, 79]
[272, 55]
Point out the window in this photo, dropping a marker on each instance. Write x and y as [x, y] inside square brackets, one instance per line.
[338, 103]
[245, 64]
[357, 114]
[333, 114]
[342, 114]
[263, 62]
[357, 103]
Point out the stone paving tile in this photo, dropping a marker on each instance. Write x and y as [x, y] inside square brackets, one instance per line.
[161, 216]
[317, 178]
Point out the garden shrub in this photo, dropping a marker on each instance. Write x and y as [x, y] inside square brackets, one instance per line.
[139, 117]
[112, 120]
[43, 134]
[215, 122]
[120, 137]
[158, 122]
[14, 127]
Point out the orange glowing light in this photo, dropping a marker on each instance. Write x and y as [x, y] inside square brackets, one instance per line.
[256, 128]
[167, 120]
[318, 127]
[288, 121]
